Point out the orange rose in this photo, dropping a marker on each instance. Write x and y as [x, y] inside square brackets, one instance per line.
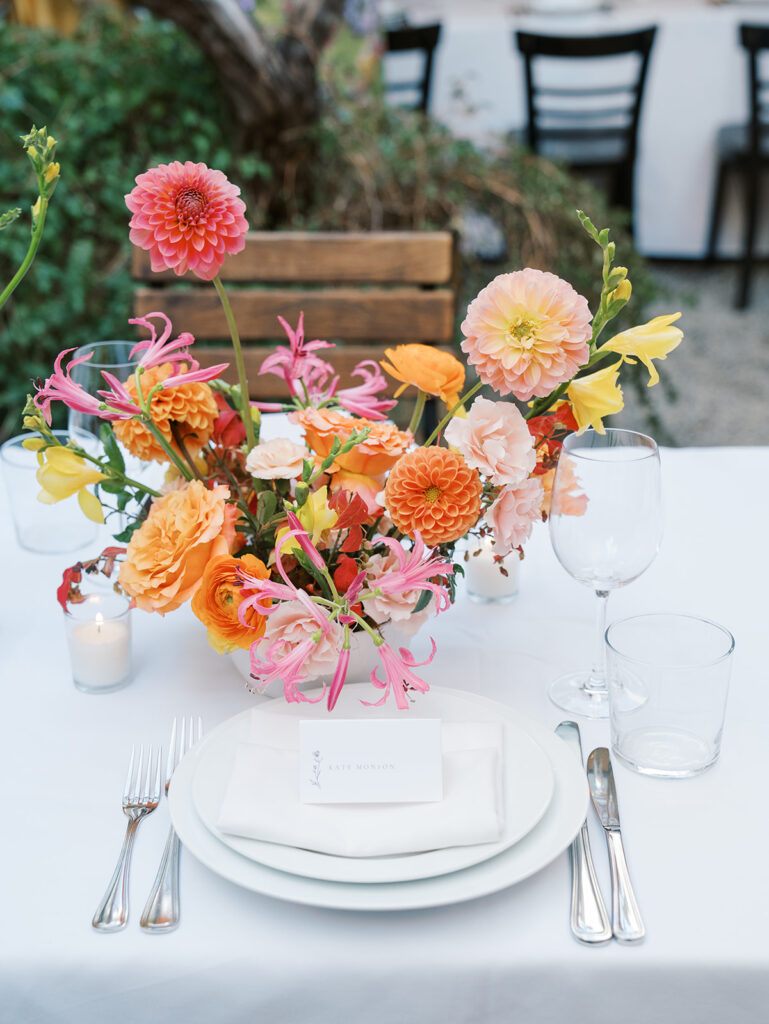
[382, 448]
[192, 408]
[433, 490]
[167, 555]
[218, 598]
[427, 368]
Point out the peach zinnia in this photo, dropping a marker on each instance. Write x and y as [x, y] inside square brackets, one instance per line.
[526, 333]
[434, 491]
[382, 448]
[190, 407]
[188, 216]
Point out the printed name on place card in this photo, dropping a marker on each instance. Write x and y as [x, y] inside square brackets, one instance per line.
[383, 760]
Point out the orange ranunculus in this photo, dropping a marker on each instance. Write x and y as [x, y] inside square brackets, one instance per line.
[427, 368]
[433, 490]
[167, 555]
[218, 598]
[382, 448]
[192, 407]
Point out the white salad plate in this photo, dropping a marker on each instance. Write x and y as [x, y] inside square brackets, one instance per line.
[549, 838]
[527, 779]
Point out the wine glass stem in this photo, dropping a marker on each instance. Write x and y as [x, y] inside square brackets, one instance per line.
[597, 680]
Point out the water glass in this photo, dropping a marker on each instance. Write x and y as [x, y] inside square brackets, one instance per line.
[48, 529]
[668, 681]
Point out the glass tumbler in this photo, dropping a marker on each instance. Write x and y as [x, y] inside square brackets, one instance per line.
[668, 679]
[48, 529]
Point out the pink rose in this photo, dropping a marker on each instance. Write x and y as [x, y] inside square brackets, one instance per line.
[291, 625]
[395, 607]
[495, 440]
[279, 459]
[513, 513]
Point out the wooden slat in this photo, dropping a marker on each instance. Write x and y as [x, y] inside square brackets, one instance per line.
[401, 257]
[375, 314]
[268, 387]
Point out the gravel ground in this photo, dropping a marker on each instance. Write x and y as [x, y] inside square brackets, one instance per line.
[718, 377]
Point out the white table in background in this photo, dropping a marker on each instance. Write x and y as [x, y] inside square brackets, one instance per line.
[697, 849]
[697, 83]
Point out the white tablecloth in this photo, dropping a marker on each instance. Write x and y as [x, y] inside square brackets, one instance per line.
[697, 83]
[697, 848]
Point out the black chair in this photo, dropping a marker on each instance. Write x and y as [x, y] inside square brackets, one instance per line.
[744, 148]
[424, 39]
[591, 128]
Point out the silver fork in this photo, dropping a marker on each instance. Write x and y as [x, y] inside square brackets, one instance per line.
[161, 912]
[139, 800]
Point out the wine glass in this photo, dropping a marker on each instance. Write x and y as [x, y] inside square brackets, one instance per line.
[605, 527]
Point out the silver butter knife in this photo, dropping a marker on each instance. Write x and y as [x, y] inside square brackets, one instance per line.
[589, 918]
[626, 917]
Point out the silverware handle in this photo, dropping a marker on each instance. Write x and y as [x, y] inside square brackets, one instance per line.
[589, 916]
[161, 913]
[626, 917]
[112, 913]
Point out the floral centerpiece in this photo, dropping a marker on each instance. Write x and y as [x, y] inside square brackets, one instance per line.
[293, 551]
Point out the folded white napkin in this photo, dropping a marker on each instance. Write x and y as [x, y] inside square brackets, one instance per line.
[261, 800]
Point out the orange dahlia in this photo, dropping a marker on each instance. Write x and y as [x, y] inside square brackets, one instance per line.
[382, 448]
[188, 216]
[433, 490]
[217, 601]
[191, 407]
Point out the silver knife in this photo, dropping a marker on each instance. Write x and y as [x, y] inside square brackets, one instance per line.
[589, 918]
[626, 917]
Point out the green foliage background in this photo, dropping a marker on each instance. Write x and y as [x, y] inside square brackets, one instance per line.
[126, 93]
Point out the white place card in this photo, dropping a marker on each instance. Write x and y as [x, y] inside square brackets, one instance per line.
[384, 760]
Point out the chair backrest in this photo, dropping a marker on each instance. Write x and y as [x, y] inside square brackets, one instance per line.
[362, 290]
[755, 38]
[418, 39]
[564, 110]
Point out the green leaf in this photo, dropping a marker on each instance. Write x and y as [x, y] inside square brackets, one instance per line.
[112, 486]
[125, 535]
[422, 603]
[111, 448]
[266, 504]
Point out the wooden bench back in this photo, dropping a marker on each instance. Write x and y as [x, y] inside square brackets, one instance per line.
[364, 291]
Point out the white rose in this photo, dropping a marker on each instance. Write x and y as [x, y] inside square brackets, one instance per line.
[279, 459]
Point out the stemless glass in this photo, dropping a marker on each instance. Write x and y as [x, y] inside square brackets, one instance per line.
[605, 527]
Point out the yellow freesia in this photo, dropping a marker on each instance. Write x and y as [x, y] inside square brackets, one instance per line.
[63, 473]
[595, 396]
[647, 342]
[315, 516]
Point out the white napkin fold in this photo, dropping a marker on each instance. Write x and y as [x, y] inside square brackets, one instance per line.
[261, 798]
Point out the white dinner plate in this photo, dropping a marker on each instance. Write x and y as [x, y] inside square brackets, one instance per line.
[527, 779]
[543, 844]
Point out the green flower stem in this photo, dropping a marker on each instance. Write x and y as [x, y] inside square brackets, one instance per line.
[465, 398]
[245, 401]
[26, 263]
[419, 406]
[176, 461]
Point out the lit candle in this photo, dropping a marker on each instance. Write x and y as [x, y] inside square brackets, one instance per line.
[485, 580]
[99, 637]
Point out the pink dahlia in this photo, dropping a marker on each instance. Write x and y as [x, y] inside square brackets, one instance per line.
[526, 333]
[188, 217]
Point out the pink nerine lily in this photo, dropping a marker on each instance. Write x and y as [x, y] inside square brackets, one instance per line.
[339, 677]
[362, 399]
[160, 350]
[415, 572]
[293, 363]
[61, 388]
[398, 675]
